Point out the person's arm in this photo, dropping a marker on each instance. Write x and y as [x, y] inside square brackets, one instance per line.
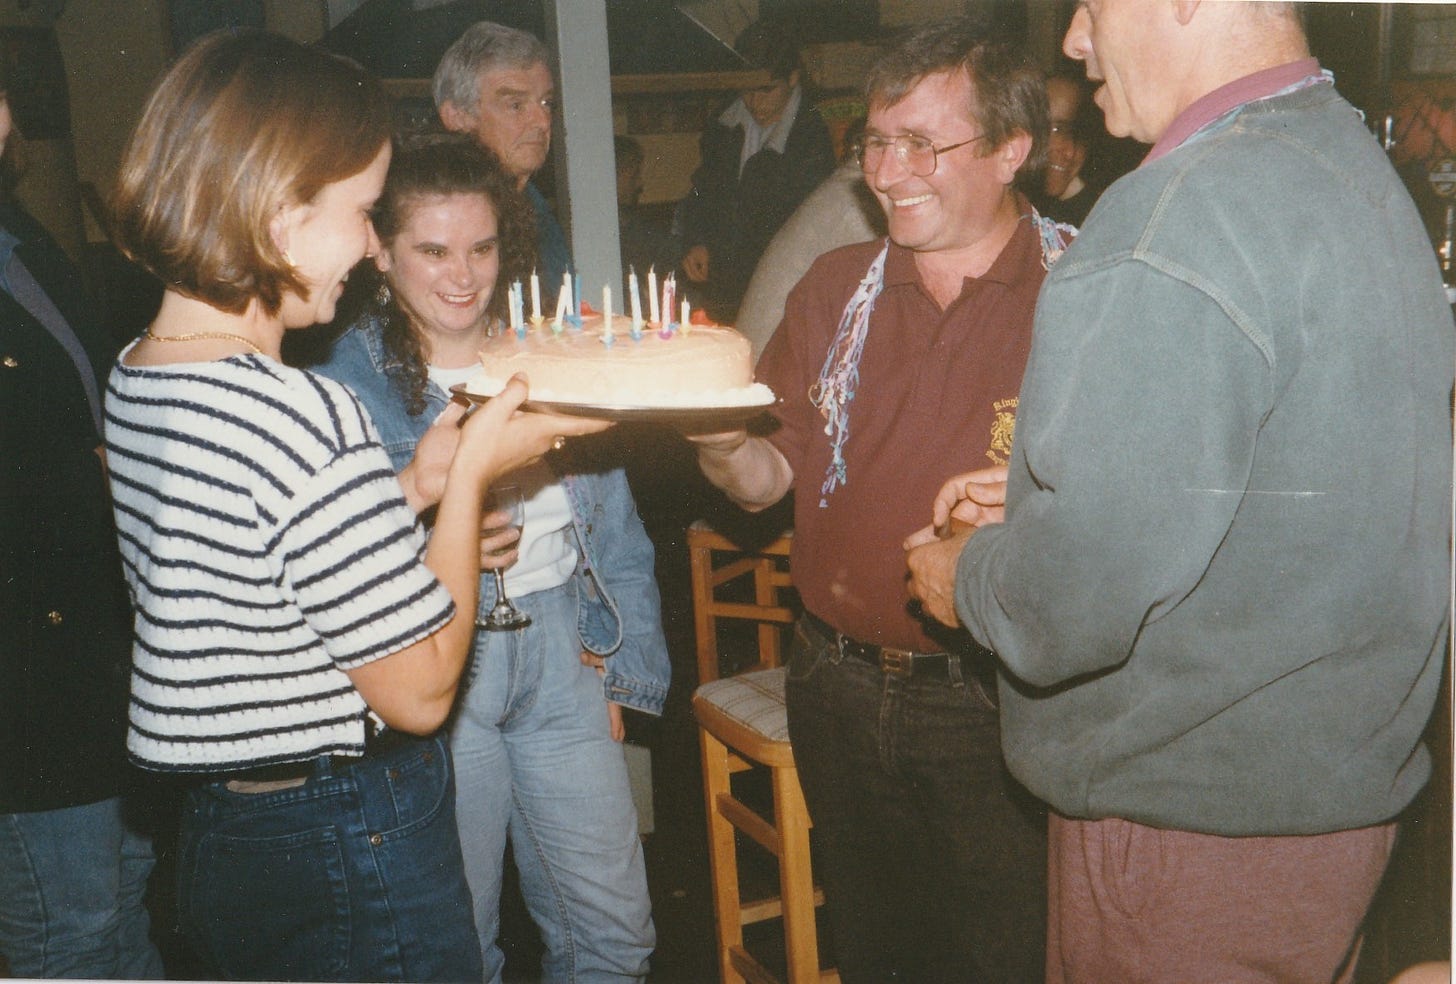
[638, 670]
[1134, 446]
[423, 479]
[708, 207]
[964, 503]
[414, 688]
[749, 470]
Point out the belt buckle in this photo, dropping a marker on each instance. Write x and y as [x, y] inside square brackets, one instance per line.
[897, 662]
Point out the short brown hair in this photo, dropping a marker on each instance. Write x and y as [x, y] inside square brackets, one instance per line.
[1007, 89]
[244, 123]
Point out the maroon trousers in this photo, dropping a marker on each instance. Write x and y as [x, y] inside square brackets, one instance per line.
[1135, 904]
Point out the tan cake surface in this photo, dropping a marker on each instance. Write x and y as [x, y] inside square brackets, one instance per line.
[704, 366]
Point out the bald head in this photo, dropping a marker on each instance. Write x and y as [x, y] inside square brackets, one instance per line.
[1154, 58]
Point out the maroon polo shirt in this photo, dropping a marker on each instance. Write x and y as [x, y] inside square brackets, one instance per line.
[936, 397]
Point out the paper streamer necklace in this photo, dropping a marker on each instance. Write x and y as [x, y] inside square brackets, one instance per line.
[834, 390]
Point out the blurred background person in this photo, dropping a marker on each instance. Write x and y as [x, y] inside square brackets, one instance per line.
[296, 643]
[841, 211]
[760, 159]
[73, 863]
[645, 244]
[1069, 188]
[496, 84]
[535, 738]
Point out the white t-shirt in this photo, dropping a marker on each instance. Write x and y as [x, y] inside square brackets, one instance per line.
[547, 547]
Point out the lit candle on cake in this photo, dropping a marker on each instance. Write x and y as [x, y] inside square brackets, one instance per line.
[686, 310]
[652, 314]
[607, 316]
[535, 297]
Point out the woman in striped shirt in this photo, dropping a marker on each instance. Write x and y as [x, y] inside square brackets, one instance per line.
[293, 632]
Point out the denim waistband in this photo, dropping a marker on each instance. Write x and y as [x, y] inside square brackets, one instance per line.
[376, 746]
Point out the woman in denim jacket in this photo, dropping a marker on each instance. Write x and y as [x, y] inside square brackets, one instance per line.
[535, 736]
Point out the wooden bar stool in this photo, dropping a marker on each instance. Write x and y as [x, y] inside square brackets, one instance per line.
[769, 570]
[743, 727]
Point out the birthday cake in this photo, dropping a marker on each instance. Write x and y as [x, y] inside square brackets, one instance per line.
[607, 363]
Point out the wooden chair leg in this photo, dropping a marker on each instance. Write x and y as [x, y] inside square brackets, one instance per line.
[796, 879]
[722, 856]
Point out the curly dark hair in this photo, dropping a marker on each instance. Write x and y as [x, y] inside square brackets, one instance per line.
[445, 164]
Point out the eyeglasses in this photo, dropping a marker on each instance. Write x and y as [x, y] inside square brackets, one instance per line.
[915, 153]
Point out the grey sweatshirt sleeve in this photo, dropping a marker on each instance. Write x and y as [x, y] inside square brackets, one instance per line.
[1135, 437]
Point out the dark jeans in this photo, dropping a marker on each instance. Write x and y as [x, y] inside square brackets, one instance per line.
[354, 876]
[932, 858]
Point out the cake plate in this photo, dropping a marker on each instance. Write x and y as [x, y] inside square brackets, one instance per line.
[686, 418]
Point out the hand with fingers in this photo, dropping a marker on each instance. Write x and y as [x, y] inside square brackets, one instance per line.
[614, 711]
[964, 504]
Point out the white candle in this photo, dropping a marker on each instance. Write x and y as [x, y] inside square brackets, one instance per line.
[535, 296]
[652, 313]
[607, 336]
[685, 312]
[635, 299]
[512, 300]
[560, 310]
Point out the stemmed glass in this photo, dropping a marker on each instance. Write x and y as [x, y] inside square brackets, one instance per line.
[503, 615]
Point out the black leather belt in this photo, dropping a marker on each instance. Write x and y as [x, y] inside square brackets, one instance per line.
[376, 745]
[905, 663]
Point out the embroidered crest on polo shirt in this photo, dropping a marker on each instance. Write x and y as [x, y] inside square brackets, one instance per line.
[1003, 429]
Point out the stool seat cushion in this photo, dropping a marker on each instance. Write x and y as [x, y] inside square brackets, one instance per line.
[750, 700]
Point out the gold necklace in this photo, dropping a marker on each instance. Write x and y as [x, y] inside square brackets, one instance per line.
[197, 335]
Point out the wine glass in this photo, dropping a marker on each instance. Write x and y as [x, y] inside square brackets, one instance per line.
[503, 615]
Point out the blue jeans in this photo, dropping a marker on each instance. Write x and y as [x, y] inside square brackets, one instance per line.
[536, 761]
[354, 875]
[932, 858]
[72, 885]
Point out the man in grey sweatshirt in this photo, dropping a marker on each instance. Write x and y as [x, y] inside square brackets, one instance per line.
[1219, 593]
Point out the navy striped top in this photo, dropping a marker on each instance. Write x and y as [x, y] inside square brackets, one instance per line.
[268, 548]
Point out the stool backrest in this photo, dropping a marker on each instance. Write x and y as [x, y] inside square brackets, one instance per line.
[743, 586]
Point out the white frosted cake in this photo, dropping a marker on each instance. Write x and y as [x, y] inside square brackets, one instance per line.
[704, 366]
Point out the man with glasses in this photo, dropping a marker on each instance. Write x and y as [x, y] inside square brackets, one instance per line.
[897, 363]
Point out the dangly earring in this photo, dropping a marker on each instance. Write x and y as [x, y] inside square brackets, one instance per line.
[382, 296]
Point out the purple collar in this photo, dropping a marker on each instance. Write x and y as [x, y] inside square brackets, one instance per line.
[1226, 98]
